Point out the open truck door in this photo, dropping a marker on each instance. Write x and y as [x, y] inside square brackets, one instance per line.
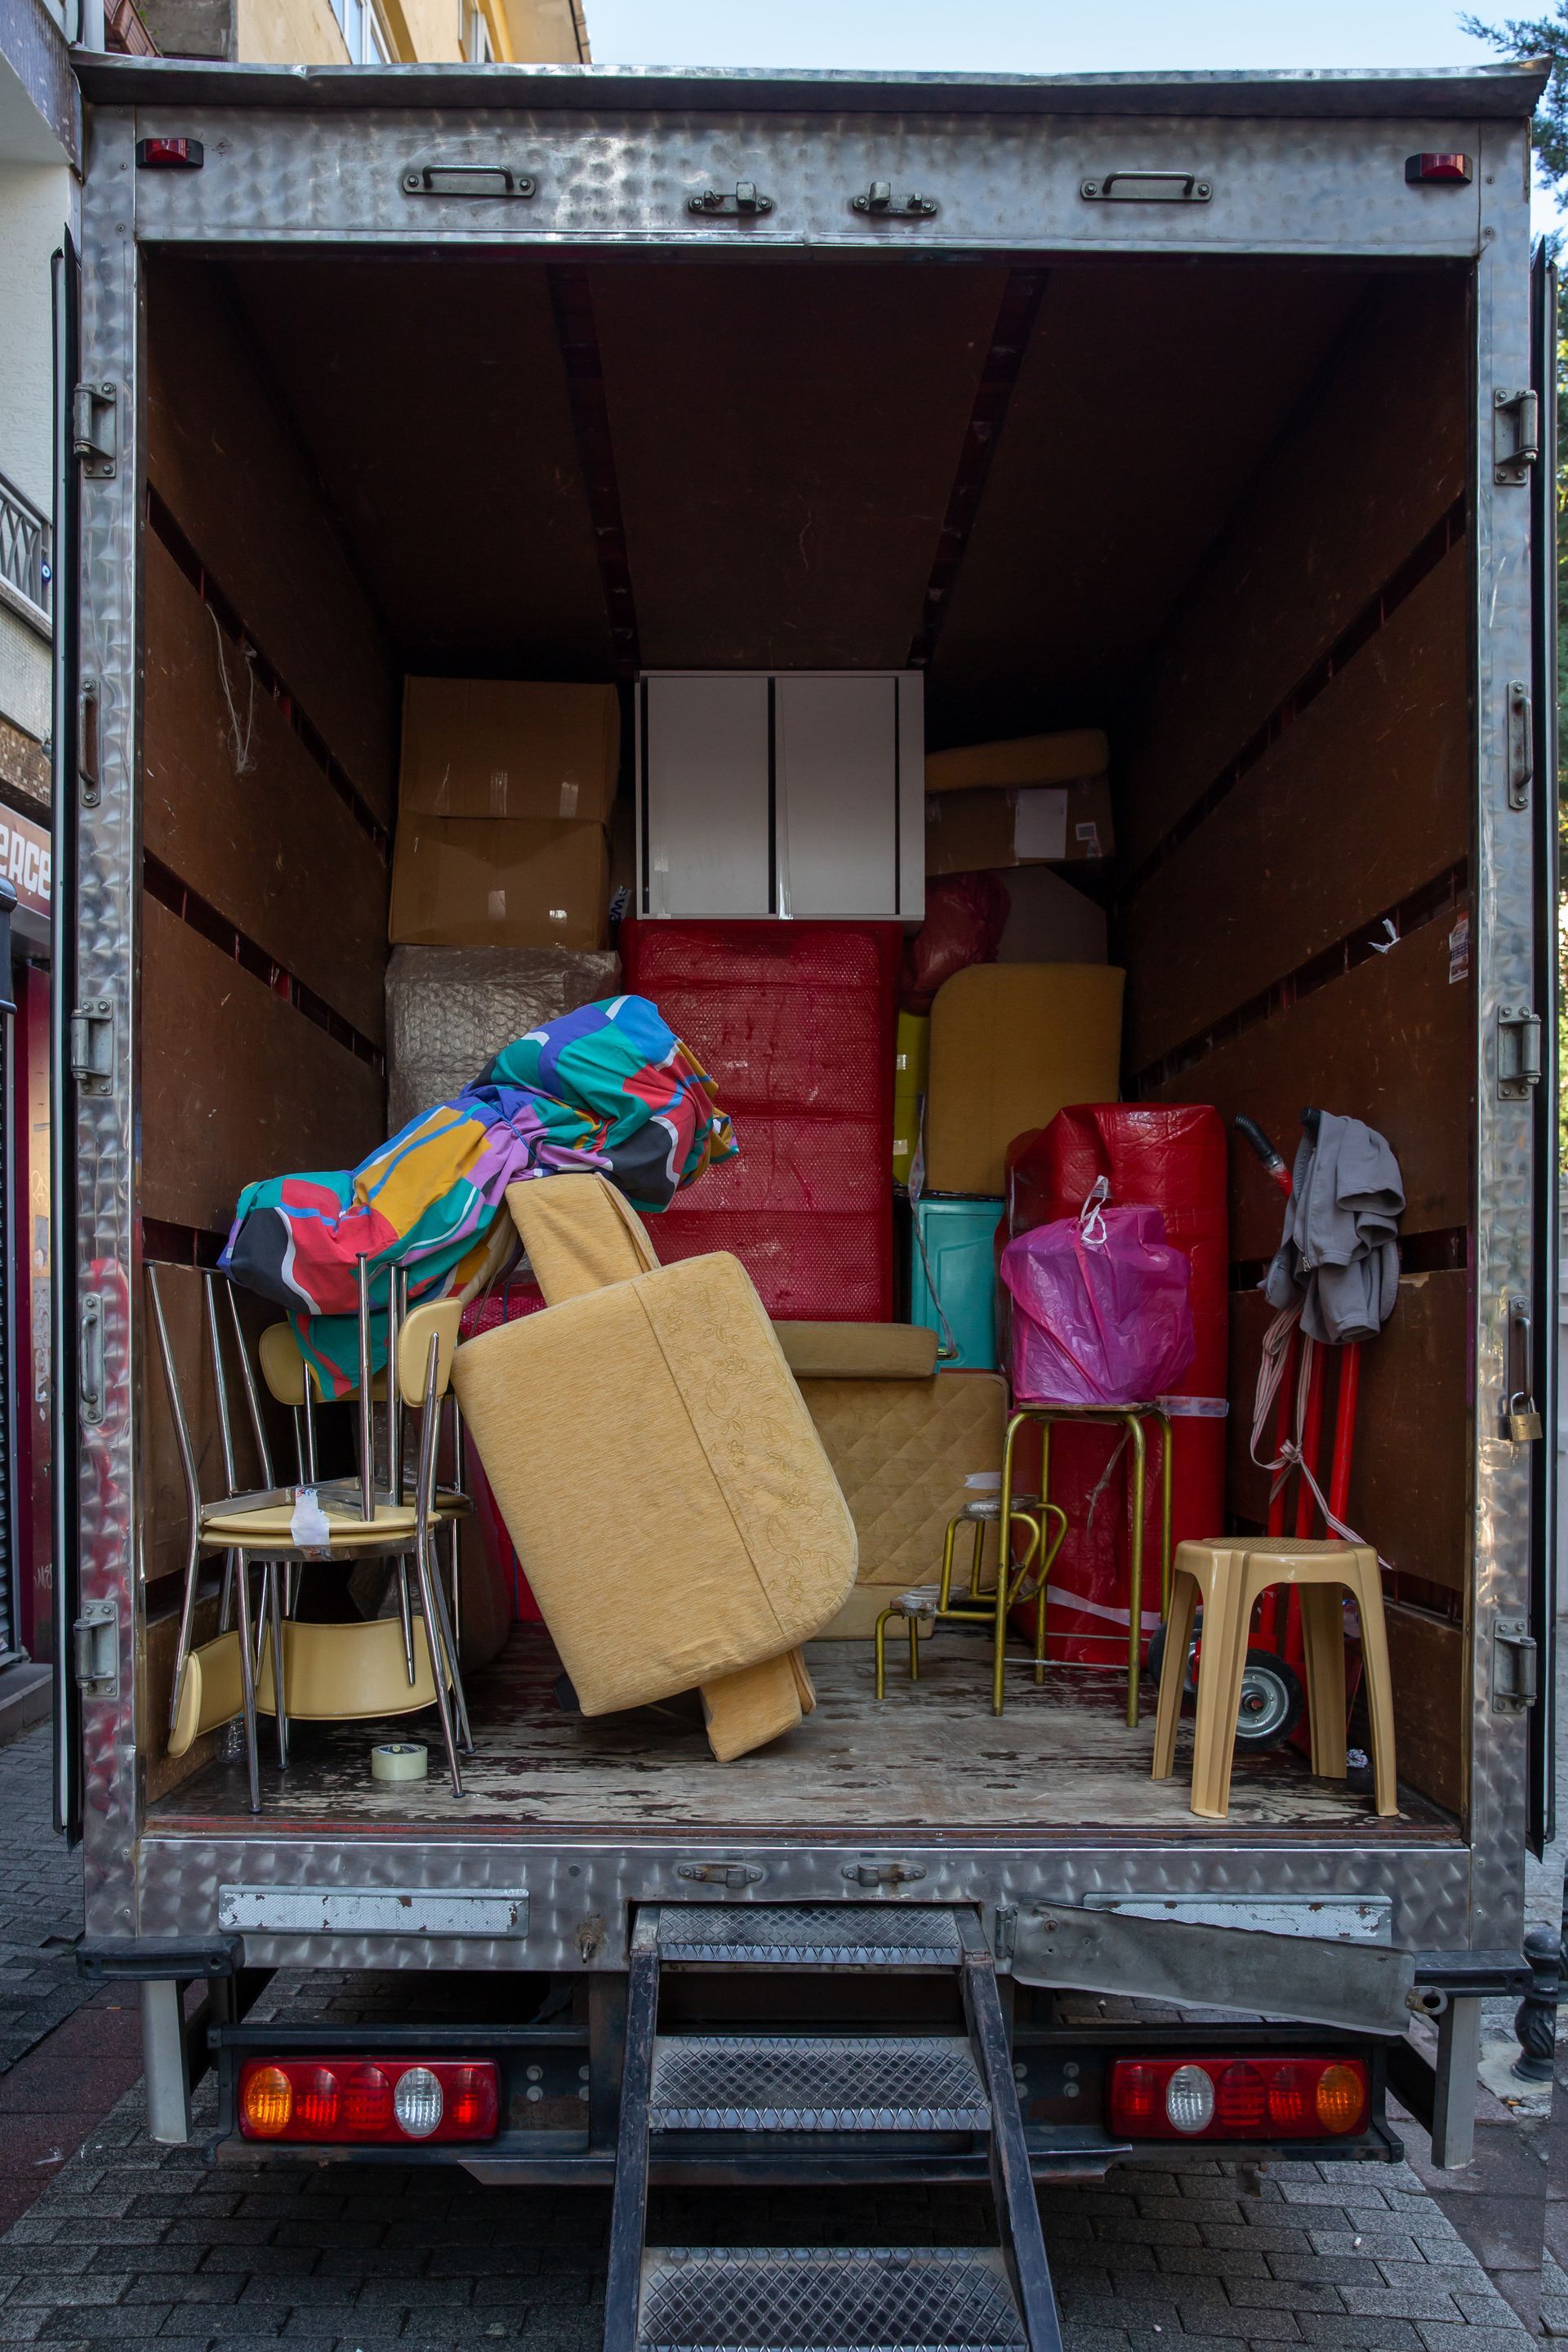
[66, 785]
[1539, 1335]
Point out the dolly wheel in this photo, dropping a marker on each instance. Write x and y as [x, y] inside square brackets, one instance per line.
[1272, 1698]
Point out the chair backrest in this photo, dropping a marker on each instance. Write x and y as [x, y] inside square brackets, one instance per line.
[437, 1321]
[283, 1370]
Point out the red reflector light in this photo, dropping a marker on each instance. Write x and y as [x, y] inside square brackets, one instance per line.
[170, 154]
[1253, 2098]
[1439, 166]
[347, 2099]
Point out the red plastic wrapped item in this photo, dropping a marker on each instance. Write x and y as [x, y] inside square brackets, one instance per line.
[966, 917]
[793, 1022]
[1171, 1157]
[520, 1295]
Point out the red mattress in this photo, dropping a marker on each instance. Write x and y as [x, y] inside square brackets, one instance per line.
[518, 1295]
[795, 1024]
[1172, 1156]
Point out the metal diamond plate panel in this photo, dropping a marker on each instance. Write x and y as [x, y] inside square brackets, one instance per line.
[776, 2083]
[850, 1935]
[703, 2298]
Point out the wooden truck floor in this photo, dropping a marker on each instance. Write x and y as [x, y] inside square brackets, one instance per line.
[930, 1755]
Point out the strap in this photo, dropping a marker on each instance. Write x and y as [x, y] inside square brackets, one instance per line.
[1270, 1374]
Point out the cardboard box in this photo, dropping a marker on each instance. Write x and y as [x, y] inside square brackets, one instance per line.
[1061, 758]
[499, 882]
[1029, 825]
[497, 747]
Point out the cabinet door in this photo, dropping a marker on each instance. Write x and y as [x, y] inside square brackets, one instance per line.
[707, 797]
[837, 749]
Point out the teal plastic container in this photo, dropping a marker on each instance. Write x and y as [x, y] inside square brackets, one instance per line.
[960, 1235]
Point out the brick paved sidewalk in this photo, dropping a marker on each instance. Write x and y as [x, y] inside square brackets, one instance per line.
[41, 1902]
[126, 2242]
[129, 2243]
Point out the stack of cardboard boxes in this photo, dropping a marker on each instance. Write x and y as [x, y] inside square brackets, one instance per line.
[504, 803]
[1039, 800]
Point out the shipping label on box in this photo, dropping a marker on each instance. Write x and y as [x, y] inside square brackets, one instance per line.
[468, 882]
[1031, 824]
[508, 748]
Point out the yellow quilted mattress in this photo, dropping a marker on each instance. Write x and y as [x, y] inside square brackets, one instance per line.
[903, 1451]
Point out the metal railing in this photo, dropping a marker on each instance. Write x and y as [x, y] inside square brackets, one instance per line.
[26, 573]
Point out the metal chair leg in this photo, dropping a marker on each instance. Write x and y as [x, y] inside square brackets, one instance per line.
[188, 1622]
[454, 1666]
[433, 1643]
[274, 1590]
[1135, 1573]
[406, 1614]
[248, 1677]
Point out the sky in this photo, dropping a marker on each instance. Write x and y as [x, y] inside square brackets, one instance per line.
[1049, 36]
[1039, 36]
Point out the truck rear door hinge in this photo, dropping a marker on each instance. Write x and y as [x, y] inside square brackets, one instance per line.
[1518, 1052]
[721, 1873]
[1516, 434]
[96, 1636]
[92, 1045]
[93, 429]
[1516, 1681]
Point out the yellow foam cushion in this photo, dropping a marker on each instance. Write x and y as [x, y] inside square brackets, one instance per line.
[858, 1352]
[670, 1500]
[1011, 1044]
[580, 1233]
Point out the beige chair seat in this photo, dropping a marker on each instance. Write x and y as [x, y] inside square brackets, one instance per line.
[271, 1528]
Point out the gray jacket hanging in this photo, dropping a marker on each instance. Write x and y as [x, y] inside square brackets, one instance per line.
[1339, 1253]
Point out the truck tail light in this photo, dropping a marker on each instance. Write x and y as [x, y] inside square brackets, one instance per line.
[387, 2100]
[1238, 2098]
[170, 154]
[1446, 165]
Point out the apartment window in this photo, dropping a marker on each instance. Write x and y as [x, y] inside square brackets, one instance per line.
[363, 34]
[27, 574]
[477, 47]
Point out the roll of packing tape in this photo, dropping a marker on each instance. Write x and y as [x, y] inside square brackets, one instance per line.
[398, 1759]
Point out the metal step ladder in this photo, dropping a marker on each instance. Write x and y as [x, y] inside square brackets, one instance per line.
[831, 2298]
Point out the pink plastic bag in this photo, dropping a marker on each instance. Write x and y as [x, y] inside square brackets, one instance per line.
[1101, 1310]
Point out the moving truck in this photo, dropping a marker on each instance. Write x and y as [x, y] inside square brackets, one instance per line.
[1214, 409]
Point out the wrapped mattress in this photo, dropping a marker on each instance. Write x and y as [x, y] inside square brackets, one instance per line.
[794, 1024]
[449, 1010]
[1172, 1157]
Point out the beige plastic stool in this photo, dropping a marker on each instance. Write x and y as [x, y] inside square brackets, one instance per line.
[1230, 1579]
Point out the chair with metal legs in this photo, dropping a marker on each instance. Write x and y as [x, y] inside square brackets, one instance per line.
[293, 1383]
[267, 1524]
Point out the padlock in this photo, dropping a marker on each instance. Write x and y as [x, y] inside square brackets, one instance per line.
[1524, 1427]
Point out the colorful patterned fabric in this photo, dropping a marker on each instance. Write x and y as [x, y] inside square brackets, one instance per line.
[607, 1088]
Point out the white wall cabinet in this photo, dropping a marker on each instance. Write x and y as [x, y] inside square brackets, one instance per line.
[794, 793]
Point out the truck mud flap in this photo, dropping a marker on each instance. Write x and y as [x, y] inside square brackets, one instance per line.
[1366, 1987]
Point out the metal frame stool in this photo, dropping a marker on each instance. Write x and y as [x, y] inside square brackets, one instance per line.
[925, 1609]
[1132, 1418]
